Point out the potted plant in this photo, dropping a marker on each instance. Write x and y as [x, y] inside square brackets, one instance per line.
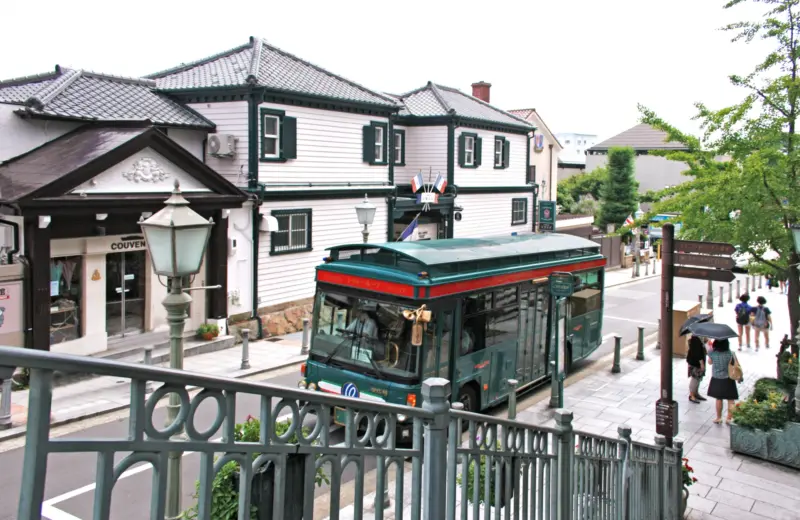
[208, 331]
[225, 487]
[688, 480]
[497, 461]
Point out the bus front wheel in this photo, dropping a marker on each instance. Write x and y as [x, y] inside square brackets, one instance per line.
[469, 398]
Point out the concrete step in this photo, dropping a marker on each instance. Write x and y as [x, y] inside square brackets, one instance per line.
[161, 354]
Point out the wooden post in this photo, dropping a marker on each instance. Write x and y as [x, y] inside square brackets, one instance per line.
[667, 285]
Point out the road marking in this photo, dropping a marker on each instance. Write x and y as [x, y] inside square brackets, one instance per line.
[630, 320]
[608, 337]
[52, 513]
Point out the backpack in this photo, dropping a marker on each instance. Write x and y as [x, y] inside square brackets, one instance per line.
[742, 316]
[760, 321]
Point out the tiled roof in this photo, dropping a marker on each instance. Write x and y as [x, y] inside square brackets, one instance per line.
[528, 113]
[258, 63]
[523, 113]
[438, 100]
[82, 95]
[641, 137]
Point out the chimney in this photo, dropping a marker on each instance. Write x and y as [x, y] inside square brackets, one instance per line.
[480, 90]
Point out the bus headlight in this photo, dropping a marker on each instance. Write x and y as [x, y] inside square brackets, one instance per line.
[401, 418]
[302, 383]
[312, 386]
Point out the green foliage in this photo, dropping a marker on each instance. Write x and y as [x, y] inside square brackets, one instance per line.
[763, 414]
[224, 496]
[747, 158]
[481, 468]
[208, 328]
[764, 387]
[619, 192]
[688, 479]
[789, 366]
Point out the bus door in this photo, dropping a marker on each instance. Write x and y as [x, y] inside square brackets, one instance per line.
[502, 335]
[537, 312]
[525, 349]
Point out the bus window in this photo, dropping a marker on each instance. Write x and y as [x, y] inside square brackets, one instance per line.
[444, 345]
[587, 299]
[437, 356]
[503, 323]
[473, 333]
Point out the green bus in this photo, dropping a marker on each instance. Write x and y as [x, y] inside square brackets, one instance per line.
[474, 311]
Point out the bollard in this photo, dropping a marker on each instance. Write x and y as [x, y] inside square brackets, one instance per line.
[512, 399]
[738, 289]
[640, 345]
[730, 292]
[754, 284]
[306, 331]
[700, 299]
[148, 360]
[654, 266]
[710, 295]
[647, 268]
[245, 348]
[615, 369]
[759, 282]
[747, 284]
[721, 296]
[5, 405]
[658, 335]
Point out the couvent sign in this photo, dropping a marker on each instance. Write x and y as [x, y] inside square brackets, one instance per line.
[129, 244]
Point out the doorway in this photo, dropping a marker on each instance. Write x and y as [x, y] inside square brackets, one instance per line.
[125, 293]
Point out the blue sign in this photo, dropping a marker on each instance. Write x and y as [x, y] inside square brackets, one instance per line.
[350, 390]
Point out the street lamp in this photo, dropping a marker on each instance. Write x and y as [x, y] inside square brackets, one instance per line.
[365, 211]
[176, 239]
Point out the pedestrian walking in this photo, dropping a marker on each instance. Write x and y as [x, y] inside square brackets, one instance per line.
[742, 311]
[722, 387]
[769, 281]
[782, 283]
[762, 320]
[696, 359]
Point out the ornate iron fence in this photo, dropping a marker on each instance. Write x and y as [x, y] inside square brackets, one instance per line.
[459, 466]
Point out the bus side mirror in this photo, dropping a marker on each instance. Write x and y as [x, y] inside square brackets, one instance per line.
[416, 334]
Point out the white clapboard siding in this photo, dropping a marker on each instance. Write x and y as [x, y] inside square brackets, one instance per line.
[191, 140]
[486, 174]
[489, 214]
[290, 277]
[230, 117]
[426, 149]
[20, 135]
[330, 149]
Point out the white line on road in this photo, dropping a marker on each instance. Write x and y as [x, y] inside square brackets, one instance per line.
[630, 320]
[608, 337]
[53, 513]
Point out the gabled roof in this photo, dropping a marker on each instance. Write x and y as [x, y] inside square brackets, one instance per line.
[529, 114]
[260, 64]
[436, 100]
[89, 96]
[641, 137]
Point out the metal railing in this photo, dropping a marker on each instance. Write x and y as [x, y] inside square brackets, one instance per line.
[459, 465]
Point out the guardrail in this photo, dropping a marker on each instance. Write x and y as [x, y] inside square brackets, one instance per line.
[459, 465]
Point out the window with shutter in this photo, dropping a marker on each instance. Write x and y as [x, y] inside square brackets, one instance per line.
[278, 136]
[294, 231]
[506, 153]
[399, 147]
[375, 142]
[467, 150]
[499, 143]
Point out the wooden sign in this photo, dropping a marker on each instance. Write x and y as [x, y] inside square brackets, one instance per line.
[715, 262]
[706, 248]
[667, 418]
[715, 275]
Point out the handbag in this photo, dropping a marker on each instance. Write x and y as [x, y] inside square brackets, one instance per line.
[735, 369]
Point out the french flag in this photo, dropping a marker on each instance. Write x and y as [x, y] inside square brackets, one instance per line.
[440, 184]
[409, 231]
[416, 182]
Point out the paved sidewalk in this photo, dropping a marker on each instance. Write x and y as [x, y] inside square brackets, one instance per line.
[622, 276]
[729, 486]
[89, 398]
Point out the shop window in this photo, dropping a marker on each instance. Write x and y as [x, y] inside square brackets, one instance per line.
[65, 299]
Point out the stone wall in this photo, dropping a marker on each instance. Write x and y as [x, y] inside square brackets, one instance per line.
[276, 320]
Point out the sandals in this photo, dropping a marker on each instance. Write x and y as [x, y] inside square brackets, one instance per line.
[718, 420]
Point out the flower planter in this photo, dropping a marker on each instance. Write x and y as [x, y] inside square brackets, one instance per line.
[684, 500]
[208, 336]
[779, 446]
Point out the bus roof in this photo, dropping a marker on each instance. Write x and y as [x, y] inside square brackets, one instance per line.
[430, 268]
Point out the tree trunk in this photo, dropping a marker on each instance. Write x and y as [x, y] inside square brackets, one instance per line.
[794, 294]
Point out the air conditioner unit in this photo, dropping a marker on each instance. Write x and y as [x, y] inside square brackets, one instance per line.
[221, 145]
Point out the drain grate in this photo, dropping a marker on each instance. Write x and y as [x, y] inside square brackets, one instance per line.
[274, 340]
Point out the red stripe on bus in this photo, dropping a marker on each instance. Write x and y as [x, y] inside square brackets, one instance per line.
[504, 279]
[368, 284]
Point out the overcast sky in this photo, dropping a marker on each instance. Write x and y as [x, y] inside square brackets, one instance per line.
[583, 64]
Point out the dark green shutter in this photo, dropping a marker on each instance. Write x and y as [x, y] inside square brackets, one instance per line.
[506, 153]
[478, 151]
[461, 149]
[368, 133]
[289, 138]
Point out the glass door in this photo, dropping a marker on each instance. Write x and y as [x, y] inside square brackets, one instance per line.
[125, 293]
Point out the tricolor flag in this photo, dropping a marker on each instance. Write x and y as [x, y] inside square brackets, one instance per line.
[629, 220]
[440, 184]
[416, 182]
[409, 231]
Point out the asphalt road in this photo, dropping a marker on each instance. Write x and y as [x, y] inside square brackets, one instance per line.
[70, 477]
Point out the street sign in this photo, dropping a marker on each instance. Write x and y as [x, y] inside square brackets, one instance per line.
[716, 262]
[706, 248]
[547, 215]
[667, 418]
[715, 275]
[562, 285]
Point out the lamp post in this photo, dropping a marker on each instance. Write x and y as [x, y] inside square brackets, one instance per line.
[176, 238]
[365, 211]
[535, 204]
[796, 235]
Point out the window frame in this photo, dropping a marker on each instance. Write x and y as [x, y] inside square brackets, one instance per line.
[399, 158]
[524, 220]
[285, 139]
[503, 143]
[276, 136]
[292, 212]
[469, 151]
[372, 159]
[476, 153]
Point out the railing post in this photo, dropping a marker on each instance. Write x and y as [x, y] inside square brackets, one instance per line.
[658, 335]
[615, 368]
[721, 296]
[435, 399]
[624, 433]
[5, 404]
[663, 496]
[730, 292]
[40, 400]
[566, 452]
[640, 345]
[512, 398]
[306, 333]
[245, 349]
[148, 361]
[678, 478]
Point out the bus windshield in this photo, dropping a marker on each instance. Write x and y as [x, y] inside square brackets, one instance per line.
[371, 335]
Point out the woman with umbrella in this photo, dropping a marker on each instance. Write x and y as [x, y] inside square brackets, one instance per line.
[721, 387]
[695, 357]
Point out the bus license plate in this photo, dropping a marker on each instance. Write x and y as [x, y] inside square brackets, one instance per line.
[339, 416]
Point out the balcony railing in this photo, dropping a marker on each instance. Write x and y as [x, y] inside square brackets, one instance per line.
[459, 465]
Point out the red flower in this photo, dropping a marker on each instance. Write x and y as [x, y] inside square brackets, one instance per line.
[685, 459]
[694, 479]
[689, 468]
[250, 418]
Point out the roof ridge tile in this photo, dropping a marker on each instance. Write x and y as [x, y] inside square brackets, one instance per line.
[53, 89]
[33, 78]
[192, 64]
[438, 95]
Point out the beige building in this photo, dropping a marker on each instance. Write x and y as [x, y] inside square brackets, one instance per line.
[544, 153]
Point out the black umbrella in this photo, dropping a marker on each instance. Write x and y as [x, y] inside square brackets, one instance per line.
[712, 330]
[698, 318]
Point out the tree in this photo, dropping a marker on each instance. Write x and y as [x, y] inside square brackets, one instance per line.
[573, 189]
[758, 137]
[618, 197]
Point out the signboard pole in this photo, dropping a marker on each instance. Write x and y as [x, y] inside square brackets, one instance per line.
[667, 279]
